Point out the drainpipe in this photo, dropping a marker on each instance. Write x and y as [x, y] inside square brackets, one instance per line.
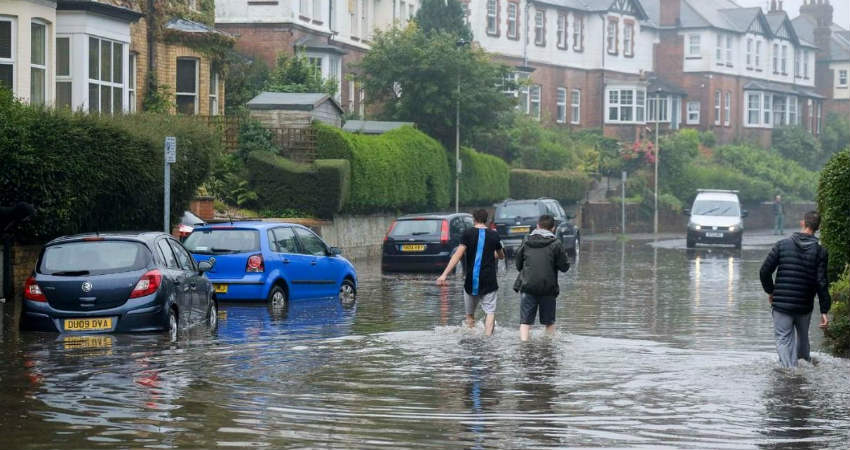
[604, 84]
[525, 35]
[151, 41]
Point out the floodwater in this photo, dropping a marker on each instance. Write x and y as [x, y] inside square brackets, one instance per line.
[656, 348]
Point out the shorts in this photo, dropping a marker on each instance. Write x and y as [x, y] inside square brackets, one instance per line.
[531, 303]
[487, 301]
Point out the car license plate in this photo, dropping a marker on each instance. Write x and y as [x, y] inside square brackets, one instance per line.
[220, 288]
[88, 324]
[413, 248]
[87, 342]
[713, 234]
[520, 229]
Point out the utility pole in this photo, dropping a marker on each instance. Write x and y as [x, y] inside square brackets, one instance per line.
[657, 159]
[458, 165]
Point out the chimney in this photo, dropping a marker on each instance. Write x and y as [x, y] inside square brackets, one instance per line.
[820, 10]
[670, 13]
[772, 5]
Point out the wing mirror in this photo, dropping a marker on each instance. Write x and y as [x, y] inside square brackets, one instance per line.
[334, 251]
[205, 266]
[744, 213]
[686, 211]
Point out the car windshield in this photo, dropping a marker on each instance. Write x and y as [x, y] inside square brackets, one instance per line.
[223, 241]
[716, 208]
[93, 258]
[417, 227]
[510, 211]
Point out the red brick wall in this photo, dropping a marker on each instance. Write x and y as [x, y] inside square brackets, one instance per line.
[203, 207]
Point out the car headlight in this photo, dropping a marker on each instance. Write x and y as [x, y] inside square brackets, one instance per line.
[696, 227]
[733, 228]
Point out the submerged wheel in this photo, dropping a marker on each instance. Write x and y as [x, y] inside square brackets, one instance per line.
[347, 293]
[278, 296]
[173, 325]
[212, 316]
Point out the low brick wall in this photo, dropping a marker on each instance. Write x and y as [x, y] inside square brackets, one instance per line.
[23, 259]
[357, 236]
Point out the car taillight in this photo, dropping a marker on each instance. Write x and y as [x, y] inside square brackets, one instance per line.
[444, 232]
[390, 230]
[255, 264]
[147, 284]
[33, 292]
[493, 226]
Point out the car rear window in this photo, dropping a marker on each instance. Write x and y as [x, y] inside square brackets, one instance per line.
[417, 227]
[222, 241]
[527, 210]
[94, 258]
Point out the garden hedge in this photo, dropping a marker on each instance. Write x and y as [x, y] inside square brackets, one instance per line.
[564, 186]
[96, 173]
[787, 176]
[834, 207]
[320, 188]
[713, 176]
[484, 178]
[402, 169]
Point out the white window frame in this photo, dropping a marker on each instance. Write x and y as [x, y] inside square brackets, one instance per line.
[798, 63]
[780, 110]
[636, 107]
[562, 31]
[693, 113]
[727, 109]
[658, 108]
[213, 91]
[819, 107]
[195, 94]
[540, 27]
[364, 20]
[492, 12]
[775, 58]
[718, 51]
[131, 82]
[694, 46]
[842, 77]
[112, 84]
[793, 111]
[612, 37]
[513, 14]
[64, 78]
[784, 61]
[730, 51]
[316, 11]
[628, 39]
[718, 99]
[578, 32]
[767, 110]
[10, 61]
[575, 106]
[806, 64]
[561, 105]
[750, 45]
[354, 16]
[758, 55]
[752, 108]
[534, 95]
[304, 8]
[43, 67]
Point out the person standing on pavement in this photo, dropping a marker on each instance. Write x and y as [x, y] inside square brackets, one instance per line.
[539, 260]
[779, 216]
[801, 264]
[480, 285]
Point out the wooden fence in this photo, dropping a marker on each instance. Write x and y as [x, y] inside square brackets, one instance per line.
[297, 144]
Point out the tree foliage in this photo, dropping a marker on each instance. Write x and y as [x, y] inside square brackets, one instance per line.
[797, 144]
[246, 77]
[297, 74]
[834, 204]
[835, 136]
[445, 16]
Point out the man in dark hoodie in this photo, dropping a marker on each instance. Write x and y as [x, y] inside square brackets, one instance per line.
[802, 266]
[538, 261]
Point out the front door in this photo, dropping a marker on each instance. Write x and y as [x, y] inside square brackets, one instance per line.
[322, 274]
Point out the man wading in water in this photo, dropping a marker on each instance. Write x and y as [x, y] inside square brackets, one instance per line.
[480, 270]
[802, 274]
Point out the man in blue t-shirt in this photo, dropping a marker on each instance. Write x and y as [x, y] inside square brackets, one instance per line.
[480, 286]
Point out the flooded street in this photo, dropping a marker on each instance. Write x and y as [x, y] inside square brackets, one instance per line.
[657, 348]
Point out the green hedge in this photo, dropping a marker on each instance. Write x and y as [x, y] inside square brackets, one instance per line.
[321, 188]
[484, 178]
[403, 169]
[564, 186]
[785, 175]
[751, 190]
[838, 333]
[834, 207]
[96, 173]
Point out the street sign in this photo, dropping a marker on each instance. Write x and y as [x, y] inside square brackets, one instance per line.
[170, 149]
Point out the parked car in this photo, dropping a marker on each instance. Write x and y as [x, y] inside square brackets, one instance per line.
[117, 282]
[423, 242]
[272, 261]
[716, 217]
[515, 219]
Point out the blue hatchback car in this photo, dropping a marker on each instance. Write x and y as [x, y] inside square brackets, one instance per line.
[272, 261]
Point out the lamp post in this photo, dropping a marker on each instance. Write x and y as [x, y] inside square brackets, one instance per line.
[657, 158]
[460, 44]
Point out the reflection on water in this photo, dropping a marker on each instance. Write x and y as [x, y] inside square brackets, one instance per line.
[657, 348]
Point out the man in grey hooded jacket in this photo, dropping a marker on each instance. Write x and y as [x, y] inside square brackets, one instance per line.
[539, 260]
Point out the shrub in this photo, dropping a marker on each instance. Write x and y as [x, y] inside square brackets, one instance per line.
[797, 144]
[484, 178]
[838, 332]
[564, 186]
[96, 173]
[707, 138]
[835, 136]
[785, 175]
[320, 188]
[253, 136]
[712, 176]
[401, 169]
[678, 151]
[834, 207]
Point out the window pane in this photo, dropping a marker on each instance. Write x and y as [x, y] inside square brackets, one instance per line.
[94, 59]
[94, 98]
[63, 94]
[6, 76]
[63, 56]
[213, 83]
[38, 41]
[105, 61]
[186, 104]
[186, 75]
[105, 99]
[131, 101]
[117, 63]
[5, 39]
[117, 100]
[131, 77]
[37, 86]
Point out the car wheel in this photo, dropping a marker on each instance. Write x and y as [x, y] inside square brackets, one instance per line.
[212, 316]
[173, 325]
[690, 243]
[347, 293]
[278, 297]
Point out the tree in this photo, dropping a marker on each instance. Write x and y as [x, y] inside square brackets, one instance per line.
[413, 76]
[835, 136]
[246, 77]
[297, 74]
[797, 144]
[443, 16]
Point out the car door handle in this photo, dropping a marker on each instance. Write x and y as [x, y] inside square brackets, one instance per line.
[313, 263]
[285, 261]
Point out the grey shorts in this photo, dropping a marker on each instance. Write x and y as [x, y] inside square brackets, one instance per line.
[487, 301]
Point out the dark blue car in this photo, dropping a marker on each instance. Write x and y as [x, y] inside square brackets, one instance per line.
[272, 261]
[117, 282]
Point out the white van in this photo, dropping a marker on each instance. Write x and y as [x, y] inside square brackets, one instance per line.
[716, 217]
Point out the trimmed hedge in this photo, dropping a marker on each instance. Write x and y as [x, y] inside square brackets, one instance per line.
[838, 332]
[751, 190]
[96, 173]
[321, 188]
[401, 169]
[564, 186]
[787, 176]
[484, 178]
[834, 207]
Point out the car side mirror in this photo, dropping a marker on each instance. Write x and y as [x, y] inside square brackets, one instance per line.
[744, 213]
[334, 251]
[205, 266]
[571, 216]
[686, 211]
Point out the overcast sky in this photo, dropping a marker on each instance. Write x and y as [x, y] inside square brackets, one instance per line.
[841, 14]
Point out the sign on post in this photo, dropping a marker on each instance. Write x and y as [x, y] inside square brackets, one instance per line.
[170, 158]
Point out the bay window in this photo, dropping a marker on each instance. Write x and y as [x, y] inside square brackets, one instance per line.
[767, 109]
[561, 106]
[575, 106]
[779, 103]
[753, 109]
[187, 86]
[658, 110]
[63, 72]
[626, 105]
[693, 113]
[106, 77]
[38, 63]
[7, 53]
